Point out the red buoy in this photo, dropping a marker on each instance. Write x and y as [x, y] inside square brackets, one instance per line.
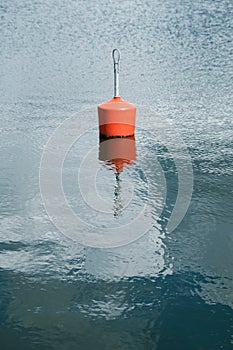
[117, 116]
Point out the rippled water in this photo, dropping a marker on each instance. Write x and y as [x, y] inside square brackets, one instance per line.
[164, 291]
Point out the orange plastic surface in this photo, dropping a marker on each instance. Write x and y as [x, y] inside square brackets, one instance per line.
[117, 118]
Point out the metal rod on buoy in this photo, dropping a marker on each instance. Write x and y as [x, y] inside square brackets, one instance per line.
[116, 58]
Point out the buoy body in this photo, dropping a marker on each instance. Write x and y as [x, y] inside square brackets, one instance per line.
[118, 152]
[116, 118]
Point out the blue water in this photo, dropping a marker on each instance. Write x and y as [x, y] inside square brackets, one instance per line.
[164, 291]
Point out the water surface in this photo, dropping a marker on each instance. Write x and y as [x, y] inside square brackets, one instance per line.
[163, 291]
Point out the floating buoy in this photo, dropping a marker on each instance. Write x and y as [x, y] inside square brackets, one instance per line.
[117, 116]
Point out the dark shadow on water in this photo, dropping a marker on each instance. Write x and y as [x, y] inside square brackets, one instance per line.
[147, 313]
